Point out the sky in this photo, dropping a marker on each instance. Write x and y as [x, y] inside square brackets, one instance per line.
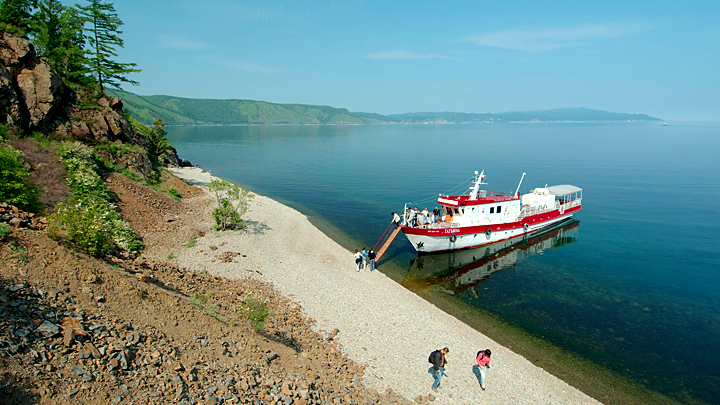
[660, 58]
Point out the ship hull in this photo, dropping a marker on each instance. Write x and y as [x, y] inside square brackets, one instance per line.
[443, 239]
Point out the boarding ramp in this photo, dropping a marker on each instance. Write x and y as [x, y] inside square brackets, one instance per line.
[386, 240]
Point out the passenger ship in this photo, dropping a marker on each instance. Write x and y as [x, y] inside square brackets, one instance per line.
[481, 218]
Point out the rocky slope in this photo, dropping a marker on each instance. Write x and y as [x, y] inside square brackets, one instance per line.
[130, 329]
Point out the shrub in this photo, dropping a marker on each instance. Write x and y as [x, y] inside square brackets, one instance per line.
[174, 193]
[15, 189]
[232, 204]
[89, 220]
[4, 231]
[256, 311]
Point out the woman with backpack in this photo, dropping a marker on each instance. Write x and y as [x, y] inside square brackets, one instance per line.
[483, 363]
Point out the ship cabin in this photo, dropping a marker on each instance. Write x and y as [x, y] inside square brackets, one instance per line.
[483, 210]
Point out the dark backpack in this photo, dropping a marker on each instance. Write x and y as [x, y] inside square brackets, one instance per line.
[430, 358]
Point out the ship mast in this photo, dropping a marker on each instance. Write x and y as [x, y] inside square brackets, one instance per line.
[475, 189]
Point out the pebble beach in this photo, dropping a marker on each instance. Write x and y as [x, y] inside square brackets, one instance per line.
[381, 324]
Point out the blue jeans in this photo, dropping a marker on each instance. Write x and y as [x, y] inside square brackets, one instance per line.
[480, 374]
[436, 375]
[372, 264]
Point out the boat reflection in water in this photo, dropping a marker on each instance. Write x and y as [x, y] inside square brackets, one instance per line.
[460, 270]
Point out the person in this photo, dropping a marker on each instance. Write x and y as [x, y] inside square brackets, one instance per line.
[396, 219]
[421, 219]
[358, 259]
[483, 363]
[364, 255]
[371, 256]
[408, 217]
[436, 214]
[438, 360]
[415, 217]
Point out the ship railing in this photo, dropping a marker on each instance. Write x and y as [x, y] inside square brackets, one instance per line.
[444, 225]
[528, 212]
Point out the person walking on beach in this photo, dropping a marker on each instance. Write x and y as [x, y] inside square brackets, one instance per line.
[483, 363]
[438, 360]
[371, 256]
[358, 259]
[364, 255]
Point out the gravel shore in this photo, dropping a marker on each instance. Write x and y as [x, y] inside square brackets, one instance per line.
[381, 324]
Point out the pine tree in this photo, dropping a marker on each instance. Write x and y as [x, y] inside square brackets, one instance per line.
[15, 16]
[103, 35]
[59, 40]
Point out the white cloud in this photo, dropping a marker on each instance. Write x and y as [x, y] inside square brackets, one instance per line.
[554, 38]
[181, 42]
[405, 55]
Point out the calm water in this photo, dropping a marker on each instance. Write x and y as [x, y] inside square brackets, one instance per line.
[634, 286]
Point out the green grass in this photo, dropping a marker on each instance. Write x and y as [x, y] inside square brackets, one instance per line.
[4, 231]
[191, 242]
[171, 257]
[172, 192]
[18, 252]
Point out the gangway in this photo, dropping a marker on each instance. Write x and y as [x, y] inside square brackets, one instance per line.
[385, 240]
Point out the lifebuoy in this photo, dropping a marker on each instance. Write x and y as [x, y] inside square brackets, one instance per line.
[453, 238]
[488, 232]
[526, 227]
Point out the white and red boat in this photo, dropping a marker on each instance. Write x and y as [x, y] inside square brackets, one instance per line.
[482, 218]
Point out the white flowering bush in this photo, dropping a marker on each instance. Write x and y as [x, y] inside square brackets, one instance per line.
[89, 220]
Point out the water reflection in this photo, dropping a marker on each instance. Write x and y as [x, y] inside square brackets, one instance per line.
[458, 271]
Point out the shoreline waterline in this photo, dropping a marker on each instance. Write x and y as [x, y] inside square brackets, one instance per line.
[558, 362]
[591, 378]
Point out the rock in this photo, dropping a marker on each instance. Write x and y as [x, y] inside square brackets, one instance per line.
[48, 329]
[93, 350]
[117, 399]
[142, 277]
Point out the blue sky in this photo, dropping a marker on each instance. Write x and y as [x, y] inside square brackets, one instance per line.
[653, 57]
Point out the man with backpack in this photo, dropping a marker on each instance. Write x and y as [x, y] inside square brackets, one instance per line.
[483, 363]
[438, 360]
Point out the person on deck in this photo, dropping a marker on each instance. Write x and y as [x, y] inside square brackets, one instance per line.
[438, 360]
[436, 214]
[396, 219]
[483, 363]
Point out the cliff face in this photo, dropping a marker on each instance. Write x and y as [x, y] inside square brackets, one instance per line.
[32, 94]
[33, 97]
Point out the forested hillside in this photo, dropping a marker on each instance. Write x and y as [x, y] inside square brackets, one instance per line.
[189, 111]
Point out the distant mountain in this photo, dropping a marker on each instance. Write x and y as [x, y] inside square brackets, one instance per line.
[195, 111]
[557, 115]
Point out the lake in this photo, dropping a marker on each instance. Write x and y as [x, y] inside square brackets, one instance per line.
[633, 286]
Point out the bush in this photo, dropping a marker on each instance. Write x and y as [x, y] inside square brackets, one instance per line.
[232, 204]
[15, 189]
[89, 220]
[4, 231]
[256, 311]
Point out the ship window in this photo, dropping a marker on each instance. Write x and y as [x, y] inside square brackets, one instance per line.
[492, 210]
[499, 207]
